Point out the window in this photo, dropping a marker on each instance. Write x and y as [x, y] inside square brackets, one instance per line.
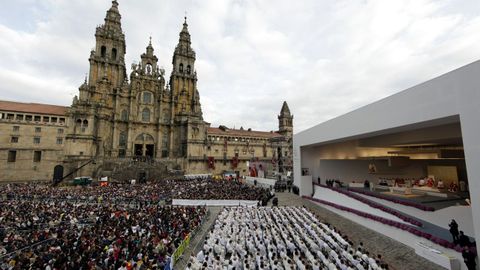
[180, 67]
[16, 128]
[14, 139]
[19, 117]
[103, 51]
[62, 120]
[38, 129]
[37, 156]
[146, 115]
[59, 140]
[46, 119]
[10, 116]
[114, 54]
[12, 156]
[37, 118]
[28, 118]
[124, 115]
[188, 69]
[147, 97]
[122, 141]
[36, 140]
[60, 131]
[54, 119]
[78, 123]
[81, 153]
[85, 123]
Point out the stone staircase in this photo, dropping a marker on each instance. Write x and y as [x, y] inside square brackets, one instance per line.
[125, 169]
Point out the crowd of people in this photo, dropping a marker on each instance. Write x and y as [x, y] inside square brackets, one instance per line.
[208, 189]
[201, 188]
[39, 232]
[105, 227]
[278, 238]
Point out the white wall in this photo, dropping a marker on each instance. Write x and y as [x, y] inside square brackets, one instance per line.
[357, 170]
[447, 99]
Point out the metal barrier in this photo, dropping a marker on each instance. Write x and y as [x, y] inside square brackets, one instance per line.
[184, 244]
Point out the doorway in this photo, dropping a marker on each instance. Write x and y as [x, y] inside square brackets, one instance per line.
[150, 150]
[144, 146]
[57, 173]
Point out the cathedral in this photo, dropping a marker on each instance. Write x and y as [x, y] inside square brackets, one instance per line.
[119, 118]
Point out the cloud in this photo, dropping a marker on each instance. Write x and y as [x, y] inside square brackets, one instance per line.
[325, 58]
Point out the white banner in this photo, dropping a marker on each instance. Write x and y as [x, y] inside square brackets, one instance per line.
[264, 182]
[214, 202]
[196, 176]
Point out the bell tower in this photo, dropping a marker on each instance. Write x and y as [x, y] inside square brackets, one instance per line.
[285, 121]
[107, 60]
[183, 80]
[187, 133]
[91, 128]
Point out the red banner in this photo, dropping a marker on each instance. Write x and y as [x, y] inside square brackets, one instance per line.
[211, 162]
[234, 162]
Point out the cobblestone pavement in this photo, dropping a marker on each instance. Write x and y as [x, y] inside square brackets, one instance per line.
[397, 255]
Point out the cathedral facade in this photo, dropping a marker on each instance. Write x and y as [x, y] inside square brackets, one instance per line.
[141, 116]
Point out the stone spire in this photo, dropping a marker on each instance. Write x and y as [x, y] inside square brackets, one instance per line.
[148, 64]
[107, 60]
[150, 48]
[112, 19]
[184, 34]
[184, 43]
[285, 110]
[285, 121]
[148, 57]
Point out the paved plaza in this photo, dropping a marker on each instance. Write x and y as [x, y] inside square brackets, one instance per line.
[397, 255]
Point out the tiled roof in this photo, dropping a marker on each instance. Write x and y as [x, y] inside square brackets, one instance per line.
[241, 133]
[11, 106]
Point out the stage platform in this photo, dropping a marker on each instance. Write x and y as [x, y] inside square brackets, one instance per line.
[434, 223]
[432, 199]
[446, 209]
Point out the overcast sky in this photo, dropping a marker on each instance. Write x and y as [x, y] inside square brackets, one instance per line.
[325, 58]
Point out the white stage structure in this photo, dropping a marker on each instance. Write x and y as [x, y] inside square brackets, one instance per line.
[451, 99]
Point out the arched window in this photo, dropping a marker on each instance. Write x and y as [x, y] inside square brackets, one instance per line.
[147, 97]
[78, 123]
[114, 54]
[146, 115]
[188, 69]
[124, 115]
[103, 51]
[122, 140]
[85, 123]
[180, 67]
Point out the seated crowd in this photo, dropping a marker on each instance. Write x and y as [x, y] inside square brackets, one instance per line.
[200, 188]
[57, 235]
[45, 233]
[278, 238]
[107, 227]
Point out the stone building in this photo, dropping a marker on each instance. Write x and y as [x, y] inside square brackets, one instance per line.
[119, 122]
[32, 139]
